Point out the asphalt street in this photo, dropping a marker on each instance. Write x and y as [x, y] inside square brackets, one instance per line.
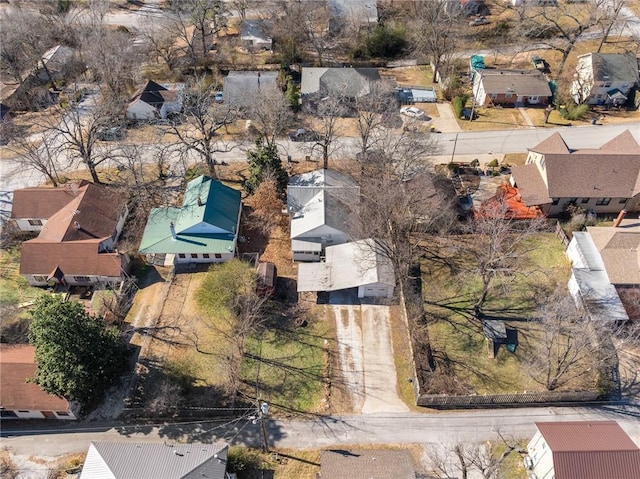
[446, 428]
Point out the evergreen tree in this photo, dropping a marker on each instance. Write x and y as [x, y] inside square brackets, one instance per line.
[264, 162]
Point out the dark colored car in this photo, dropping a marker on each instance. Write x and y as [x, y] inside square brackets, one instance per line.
[302, 134]
[466, 114]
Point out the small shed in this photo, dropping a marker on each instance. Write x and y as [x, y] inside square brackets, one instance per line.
[267, 277]
[495, 331]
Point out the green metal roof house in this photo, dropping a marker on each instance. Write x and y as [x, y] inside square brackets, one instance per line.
[203, 230]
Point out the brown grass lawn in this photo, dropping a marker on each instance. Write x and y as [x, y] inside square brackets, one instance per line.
[495, 118]
[458, 341]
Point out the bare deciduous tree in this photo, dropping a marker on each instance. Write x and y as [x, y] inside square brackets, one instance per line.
[329, 110]
[271, 114]
[159, 37]
[197, 127]
[267, 210]
[373, 112]
[208, 17]
[41, 156]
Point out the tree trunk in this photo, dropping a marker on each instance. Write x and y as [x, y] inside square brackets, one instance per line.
[94, 174]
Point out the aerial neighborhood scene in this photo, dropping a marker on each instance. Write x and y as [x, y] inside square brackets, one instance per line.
[336, 239]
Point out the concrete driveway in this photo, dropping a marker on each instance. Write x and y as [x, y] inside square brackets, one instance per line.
[366, 357]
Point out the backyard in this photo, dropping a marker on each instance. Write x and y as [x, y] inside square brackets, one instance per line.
[457, 338]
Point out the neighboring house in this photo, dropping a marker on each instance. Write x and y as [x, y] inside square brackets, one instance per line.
[605, 78]
[354, 13]
[605, 263]
[129, 460]
[366, 464]
[347, 82]
[4, 112]
[32, 207]
[20, 399]
[76, 244]
[510, 87]
[203, 230]
[320, 204]
[351, 265]
[253, 36]
[602, 180]
[55, 63]
[582, 450]
[242, 89]
[155, 101]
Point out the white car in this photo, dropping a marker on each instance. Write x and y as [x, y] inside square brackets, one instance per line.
[414, 112]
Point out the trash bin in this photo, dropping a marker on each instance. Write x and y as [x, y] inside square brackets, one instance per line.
[593, 121]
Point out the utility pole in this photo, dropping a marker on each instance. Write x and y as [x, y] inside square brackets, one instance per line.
[263, 410]
[455, 142]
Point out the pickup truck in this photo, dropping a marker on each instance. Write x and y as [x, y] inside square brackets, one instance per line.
[301, 134]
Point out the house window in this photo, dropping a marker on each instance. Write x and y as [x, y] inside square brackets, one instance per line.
[218, 256]
[603, 201]
[35, 222]
[508, 96]
[585, 201]
[62, 413]
[181, 255]
[555, 201]
[573, 200]
[606, 84]
[622, 201]
[6, 413]
[39, 278]
[23, 410]
[534, 99]
[82, 279]
[494, 96]
[205, 255]
[542, 163]
[193, 255]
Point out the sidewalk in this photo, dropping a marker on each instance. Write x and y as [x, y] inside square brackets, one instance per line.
[526, 117]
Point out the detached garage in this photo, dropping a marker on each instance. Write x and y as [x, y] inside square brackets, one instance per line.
[349, 265]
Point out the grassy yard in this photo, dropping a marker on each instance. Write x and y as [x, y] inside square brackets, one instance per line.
[457, 339]
[15, 297]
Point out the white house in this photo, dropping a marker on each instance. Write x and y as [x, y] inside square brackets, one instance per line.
[168, 460]
[203, 230]
[20, 399]
[582, 450]
[155, 101]
[604, 78]
[76, 244]
[253, 37]
[320, 204]
[358, 264]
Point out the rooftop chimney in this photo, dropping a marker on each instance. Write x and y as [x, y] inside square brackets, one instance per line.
[173, 231]
[76, 225]
[619, 219]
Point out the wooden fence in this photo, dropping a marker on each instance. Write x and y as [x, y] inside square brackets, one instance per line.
[561, 234]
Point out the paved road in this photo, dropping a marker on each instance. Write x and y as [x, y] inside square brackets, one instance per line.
[445, 428]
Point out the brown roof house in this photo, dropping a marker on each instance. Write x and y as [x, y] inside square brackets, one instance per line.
[582, 450]
[20, 399]
[602, 180]
[155, 101]
[76, 244]
[510, 87]
[366, 464]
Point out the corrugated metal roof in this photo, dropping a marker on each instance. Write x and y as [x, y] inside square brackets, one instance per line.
[599, 296]
[155, 461]
[591, 450]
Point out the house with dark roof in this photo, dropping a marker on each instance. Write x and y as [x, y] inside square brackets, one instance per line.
[320, 205]
[20, 399]
[601, 180]
[347, 82]
[605, 78]
[203, 230]
[131, 460]
[76, 243]
[510, 87]
[582, 450]
[155, 101]
[366, 464]
[242, 89]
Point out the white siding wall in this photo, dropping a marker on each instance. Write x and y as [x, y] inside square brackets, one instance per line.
[375, 290]
[541, 456]
[199, 258]
[72, 281]
[95, 467]
[24, 414]
[140, 110]
[24, 225]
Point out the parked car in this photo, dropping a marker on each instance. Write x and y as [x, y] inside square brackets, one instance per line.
[478, 21]
[413, 112]
[113, 133]
[302, 134]
[219, 97]
[466, 114]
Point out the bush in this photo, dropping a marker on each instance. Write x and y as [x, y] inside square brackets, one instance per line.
[459, 103]
[243, 459]
[574, 112]
[383, 42]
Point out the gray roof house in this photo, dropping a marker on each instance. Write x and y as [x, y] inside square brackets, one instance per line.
[351, 265]
[604, 180]
[253, 36]
[241, 89]
[510, 87]
[320, 204]
[366, 464]
[348, 82]
[117, 460]
[605, 78]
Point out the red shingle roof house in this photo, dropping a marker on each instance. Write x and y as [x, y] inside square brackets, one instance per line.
[582, 450]
[604, 180]
[20, 399]
[76, 243]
